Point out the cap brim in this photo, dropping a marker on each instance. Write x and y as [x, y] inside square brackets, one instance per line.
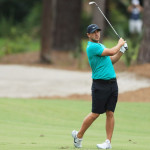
[95, 30]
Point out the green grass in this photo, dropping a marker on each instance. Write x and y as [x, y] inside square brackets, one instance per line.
[29, 124]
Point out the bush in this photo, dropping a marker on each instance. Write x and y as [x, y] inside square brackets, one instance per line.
[32, 21]
[5, 26]
[16, 38]
[17, 43]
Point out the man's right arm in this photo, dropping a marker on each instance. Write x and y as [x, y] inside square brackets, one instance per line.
[114, 50]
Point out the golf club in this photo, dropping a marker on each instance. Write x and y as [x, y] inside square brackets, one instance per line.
[91, 3]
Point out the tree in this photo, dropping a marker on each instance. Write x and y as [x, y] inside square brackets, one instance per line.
[17, 10]
[66, 25]
[97, 16]
[144, 51]
[46, 31]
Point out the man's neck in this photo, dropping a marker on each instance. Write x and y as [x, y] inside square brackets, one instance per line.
[95, 41]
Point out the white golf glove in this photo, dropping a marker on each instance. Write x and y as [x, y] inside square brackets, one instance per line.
[124, 48]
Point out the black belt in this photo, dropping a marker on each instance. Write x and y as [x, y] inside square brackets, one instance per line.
[105, 81]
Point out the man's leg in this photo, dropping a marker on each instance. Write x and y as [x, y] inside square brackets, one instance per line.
[86, 123]
[109, 124]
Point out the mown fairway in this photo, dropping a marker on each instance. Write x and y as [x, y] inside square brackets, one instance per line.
[30, 124]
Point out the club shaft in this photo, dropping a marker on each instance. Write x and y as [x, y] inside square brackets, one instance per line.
[108, 21]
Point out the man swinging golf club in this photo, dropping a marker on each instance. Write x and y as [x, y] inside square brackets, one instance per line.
[104, 86]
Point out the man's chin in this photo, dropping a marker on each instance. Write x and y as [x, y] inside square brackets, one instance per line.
[94, 40]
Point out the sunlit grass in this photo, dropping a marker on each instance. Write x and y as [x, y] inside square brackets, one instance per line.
[34, 124]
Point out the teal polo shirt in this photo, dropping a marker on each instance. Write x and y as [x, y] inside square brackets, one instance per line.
[101, 66]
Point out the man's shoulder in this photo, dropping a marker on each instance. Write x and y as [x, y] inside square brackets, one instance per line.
[103, 46]
[92, 45]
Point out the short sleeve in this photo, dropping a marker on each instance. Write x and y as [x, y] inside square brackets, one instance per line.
[97, 49]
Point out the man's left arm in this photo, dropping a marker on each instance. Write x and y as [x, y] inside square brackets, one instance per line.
[116, 57]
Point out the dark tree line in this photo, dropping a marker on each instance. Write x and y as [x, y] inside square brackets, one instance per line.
[16, 8]
[61, 20]
[60, 26]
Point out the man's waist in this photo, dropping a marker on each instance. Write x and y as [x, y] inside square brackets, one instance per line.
[105, 81]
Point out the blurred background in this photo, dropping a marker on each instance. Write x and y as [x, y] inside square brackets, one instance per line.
[54, 31]
[43, 52]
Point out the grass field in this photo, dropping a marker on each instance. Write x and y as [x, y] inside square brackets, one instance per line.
[30, 124]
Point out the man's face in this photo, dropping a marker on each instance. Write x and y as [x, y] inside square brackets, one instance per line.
[94, 37]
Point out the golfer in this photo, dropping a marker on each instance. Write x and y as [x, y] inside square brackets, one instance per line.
[104, 86]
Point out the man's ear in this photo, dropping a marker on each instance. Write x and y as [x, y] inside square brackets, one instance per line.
[88, 34]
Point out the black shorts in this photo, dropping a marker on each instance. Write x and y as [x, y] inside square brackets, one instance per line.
[104, 95]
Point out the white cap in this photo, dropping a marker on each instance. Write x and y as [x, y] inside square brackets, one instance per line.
[135, 2]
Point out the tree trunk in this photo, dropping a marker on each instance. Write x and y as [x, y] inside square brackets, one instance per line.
[46, 31]
[144, 51]
[66, 31]
[98, 17]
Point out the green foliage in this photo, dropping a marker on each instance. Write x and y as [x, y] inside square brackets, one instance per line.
[131, 54]
[23, 36]
[32, 21]
[47, 125]
[118, 19]
[30, 24]
[16, 8]
[5, 26]
[85, 21]
[109, 43]
[19, 44]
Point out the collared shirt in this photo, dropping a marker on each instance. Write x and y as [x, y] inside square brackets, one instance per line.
[101, 66]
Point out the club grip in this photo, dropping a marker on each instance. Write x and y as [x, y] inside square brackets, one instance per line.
[126, 46]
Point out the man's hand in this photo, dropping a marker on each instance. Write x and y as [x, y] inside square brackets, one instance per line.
[121, 42]
[124, 48]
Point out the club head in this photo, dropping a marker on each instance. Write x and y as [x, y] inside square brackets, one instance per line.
[91, 3]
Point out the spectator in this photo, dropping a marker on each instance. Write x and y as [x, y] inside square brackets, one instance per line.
[135, 22]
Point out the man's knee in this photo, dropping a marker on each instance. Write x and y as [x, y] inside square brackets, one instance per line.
[109, 114]
[94, 115]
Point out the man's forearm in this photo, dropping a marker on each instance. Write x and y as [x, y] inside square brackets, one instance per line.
[116, 57]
